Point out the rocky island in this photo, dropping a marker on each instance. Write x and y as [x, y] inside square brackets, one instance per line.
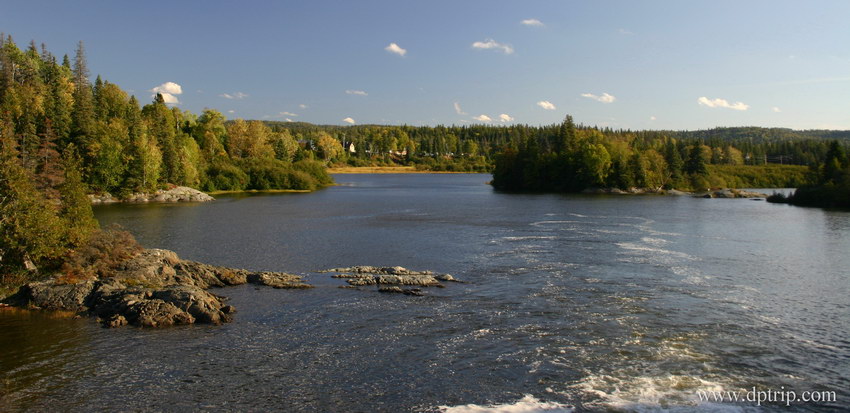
[175, 194]
[152, 289]
[390, 279]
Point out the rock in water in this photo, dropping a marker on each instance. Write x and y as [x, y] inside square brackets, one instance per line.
[277, 280]
[176, 194]
[153, 289]
[389, 279]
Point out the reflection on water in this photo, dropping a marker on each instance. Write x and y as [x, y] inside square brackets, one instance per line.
[595, 302]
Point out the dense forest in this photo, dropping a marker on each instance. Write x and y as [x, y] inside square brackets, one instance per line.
[62, 137]
[831, 186]
[47, 106]
[475, 148]
[569, 158]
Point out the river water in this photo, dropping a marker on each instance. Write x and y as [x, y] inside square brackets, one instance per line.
[585, 302]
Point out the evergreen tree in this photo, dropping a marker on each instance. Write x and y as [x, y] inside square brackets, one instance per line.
[30, 231]
[76, 212]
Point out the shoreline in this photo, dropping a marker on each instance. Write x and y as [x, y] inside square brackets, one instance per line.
[259, 191]
[348, 170]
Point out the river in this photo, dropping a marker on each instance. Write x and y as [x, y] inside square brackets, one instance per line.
[585, 302]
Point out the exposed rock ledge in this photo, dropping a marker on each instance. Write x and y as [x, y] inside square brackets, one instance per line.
[176, 194]
[390, 279]
[153, 289]
[732, 193]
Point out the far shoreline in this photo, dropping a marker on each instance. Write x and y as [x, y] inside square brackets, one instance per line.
[389, 170]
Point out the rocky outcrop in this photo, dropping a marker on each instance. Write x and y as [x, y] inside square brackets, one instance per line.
[732, 193]
[176, 194]
[390, 279]
[154, 289]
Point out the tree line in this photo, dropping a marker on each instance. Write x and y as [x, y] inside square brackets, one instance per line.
[571, 158]
[47, 106]
[831, 186]
[475, 148]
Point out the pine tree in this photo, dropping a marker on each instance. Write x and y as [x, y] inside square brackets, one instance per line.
[30, 231]
[76, 212]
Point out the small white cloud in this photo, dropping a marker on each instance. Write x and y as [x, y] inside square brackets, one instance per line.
[169, 92]
[722, 103]
[458, 110]
[288, 120]
[492, 44]
[231, 111]
[302, 106]
[348, 121]
[236, 96]
[605, 98]
[482, 118]
[533, 22]
[506, 118]
[776, 109]
[625, 32]
[356, 92]
[288, 114]
[545, 104]
[168, 87]
[394, 48]
[652, 118]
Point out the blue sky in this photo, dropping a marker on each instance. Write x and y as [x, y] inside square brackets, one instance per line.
[623, 64]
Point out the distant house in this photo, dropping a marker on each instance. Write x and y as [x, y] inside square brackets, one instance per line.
[349, 147]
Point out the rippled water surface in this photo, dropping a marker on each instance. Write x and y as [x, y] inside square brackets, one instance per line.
[594, 302]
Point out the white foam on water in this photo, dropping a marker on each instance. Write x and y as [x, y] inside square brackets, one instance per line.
[655, 241]
[527, 404]
[544, 223]
[529, 237]
[579, 215]
[667, 393]
[638, 248]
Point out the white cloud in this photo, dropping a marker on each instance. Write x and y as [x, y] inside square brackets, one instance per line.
[625, 32]
[532, 22]
[545, 104]
[236, 96]
[394, 48]
[169, 92]
[356, 92]
[288, 114]
[302, 106]
[605, 98]
[492, 44]
[482, 118]
[776, 109]
[652, 118]
[348, 121]
[506, 118]
[231, 111]
[288, 120]
[458, 110]
[722, 103]
[168, 87]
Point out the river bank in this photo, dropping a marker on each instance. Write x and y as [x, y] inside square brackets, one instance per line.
[385, 170]
[175, 194]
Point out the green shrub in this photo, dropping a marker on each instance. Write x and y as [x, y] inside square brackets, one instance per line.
[316, 170]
